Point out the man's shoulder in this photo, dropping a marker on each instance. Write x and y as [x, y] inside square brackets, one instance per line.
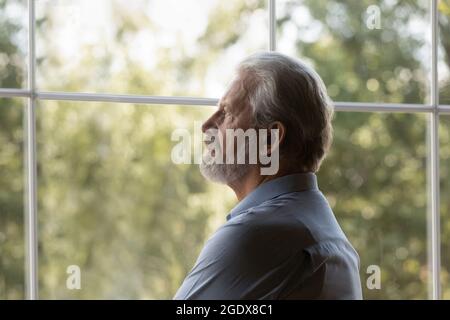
[291, 211]
[263, 226]
[300, 218]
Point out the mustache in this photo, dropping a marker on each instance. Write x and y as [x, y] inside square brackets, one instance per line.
[211, 139]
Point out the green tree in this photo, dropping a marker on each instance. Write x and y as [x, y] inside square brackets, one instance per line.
[11, 164]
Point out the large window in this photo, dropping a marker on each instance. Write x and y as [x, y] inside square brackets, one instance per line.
[91, 92]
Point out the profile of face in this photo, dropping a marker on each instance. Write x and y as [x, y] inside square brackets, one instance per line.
[232, 113]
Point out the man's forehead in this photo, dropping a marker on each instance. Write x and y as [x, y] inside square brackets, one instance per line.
[225, 101]
[233, 94]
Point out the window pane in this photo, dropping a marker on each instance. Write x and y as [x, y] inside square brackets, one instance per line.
[112, 202]
[146, 47]
[13, 43]
[375, 180]
[445, 203]
[365, 51]
[11, 200]
[444, 51]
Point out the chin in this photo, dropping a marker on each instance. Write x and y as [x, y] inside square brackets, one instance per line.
[223, 173]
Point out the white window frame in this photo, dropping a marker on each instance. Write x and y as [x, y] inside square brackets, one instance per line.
[434, 110]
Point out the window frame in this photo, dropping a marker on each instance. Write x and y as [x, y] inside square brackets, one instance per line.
[434, 110]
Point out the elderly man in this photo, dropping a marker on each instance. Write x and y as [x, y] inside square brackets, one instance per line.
[281, 241]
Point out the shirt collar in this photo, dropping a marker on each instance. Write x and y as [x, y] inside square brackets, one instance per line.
[273, 188]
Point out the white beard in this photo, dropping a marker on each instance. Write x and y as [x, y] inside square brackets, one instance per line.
[221, 172]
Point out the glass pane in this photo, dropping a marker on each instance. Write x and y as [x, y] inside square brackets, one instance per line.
[13, 43]
[375, 180]
[11, 199]
[146, 47]
[365, 51]
[444, 51]
[445, 204]
[112, 202]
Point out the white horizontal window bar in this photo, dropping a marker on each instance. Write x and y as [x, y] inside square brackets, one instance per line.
[7, 93]
[103, 97]
[444, 109]
[100, 97]
[381, 107]
[141, 99]
[340, 106]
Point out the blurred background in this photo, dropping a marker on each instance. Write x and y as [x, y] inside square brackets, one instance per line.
[110, 199]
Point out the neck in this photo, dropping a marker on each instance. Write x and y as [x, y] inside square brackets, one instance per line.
[250, 181]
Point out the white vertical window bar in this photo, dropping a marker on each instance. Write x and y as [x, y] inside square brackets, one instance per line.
[434, 218]
[272, 26]
[31, 167]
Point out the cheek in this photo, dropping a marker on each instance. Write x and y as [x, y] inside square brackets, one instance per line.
[228, 124]
[232, 122]
[222, 136]
[247, 120]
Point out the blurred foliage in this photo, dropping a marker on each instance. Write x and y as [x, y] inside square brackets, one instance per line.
[359, 63]
[11, 200]
[11, 164]
[111, 201]
[444, 37]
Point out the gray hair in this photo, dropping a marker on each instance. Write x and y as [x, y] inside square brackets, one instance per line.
[282, 88]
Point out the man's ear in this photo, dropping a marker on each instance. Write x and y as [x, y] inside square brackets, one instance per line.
[273, 143]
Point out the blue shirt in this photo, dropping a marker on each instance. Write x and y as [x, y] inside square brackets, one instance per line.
[281, 241]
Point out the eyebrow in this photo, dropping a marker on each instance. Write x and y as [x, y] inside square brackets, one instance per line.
[223, 105]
